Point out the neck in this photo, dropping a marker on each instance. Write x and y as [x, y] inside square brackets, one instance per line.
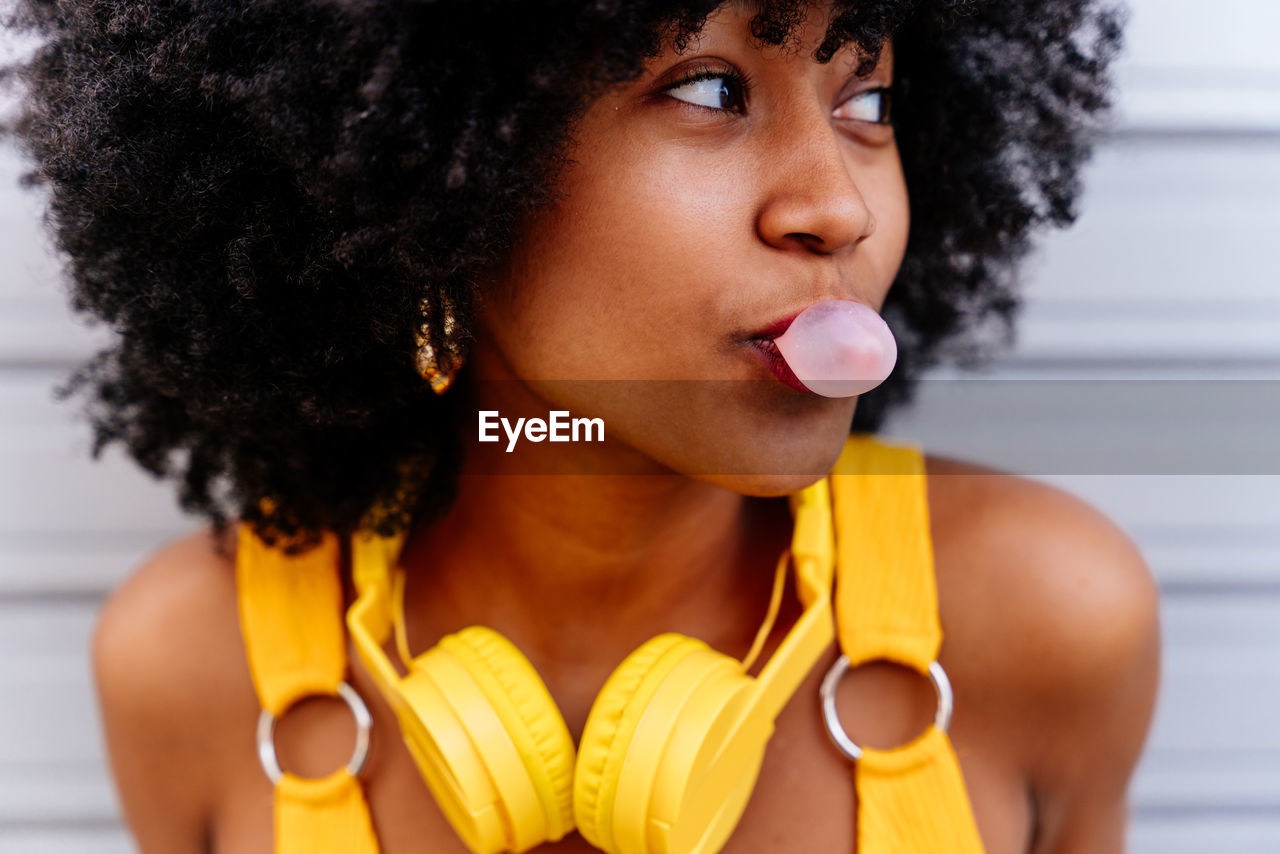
[588, 566]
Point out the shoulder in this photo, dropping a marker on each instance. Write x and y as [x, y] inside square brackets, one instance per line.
[1038, 560]
[168, 623]
[167, 663]
[1050, 611]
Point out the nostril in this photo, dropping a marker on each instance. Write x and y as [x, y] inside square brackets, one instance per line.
[812, 242]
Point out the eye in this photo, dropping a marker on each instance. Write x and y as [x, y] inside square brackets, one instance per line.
[871, 105]
[716, 89]
[726, 90]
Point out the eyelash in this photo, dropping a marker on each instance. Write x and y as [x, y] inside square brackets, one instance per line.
[745, 83]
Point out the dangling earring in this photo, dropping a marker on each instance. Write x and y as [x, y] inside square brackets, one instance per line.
[435, 367]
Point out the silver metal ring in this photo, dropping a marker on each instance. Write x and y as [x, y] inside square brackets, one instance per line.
[359, 756]
[941, 719]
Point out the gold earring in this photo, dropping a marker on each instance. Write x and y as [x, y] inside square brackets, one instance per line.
[437, 368]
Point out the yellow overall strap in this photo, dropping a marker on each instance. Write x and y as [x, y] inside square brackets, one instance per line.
[291, 619]
[912, 799]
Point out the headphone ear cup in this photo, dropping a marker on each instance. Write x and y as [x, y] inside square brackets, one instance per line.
[595, 776]
[532, 717]
[709, 765]
[658, 724]
[490, 742]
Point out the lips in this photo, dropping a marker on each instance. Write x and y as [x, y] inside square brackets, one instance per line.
[775, 329]
[761, 343]
[768, 353]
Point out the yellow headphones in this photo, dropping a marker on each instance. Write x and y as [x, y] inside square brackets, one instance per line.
[672, 745]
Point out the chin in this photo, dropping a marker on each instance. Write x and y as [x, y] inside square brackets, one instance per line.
[766, 463]
[763, 485]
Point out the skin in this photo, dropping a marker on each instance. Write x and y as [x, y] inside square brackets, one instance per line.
[681, 230]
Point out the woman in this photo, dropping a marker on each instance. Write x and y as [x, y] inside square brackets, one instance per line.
[607, 210]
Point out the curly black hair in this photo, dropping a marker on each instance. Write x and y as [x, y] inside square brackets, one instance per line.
[256, 195]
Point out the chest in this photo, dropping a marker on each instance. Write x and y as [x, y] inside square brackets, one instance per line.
[804, 800]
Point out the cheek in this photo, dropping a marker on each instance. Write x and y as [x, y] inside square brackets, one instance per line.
[887, 194]
[612, 281]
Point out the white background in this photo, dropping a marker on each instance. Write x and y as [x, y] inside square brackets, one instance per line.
[1171, 273]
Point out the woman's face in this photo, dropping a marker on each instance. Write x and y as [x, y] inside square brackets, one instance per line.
[694, 215]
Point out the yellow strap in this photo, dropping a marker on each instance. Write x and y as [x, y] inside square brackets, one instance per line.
[326, 814]
[291, 620]
[290, 609]
[912, 799]
[886, 600]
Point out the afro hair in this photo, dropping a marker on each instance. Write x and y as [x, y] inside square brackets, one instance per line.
[267, 199]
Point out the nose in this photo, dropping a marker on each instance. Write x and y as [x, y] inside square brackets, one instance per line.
[811, 198]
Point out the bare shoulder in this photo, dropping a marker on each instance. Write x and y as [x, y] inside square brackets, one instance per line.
[168, 623]
[167, 663]
[1034, 558]
[1050, 615]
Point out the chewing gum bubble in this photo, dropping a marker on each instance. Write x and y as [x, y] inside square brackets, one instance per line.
[838, 348]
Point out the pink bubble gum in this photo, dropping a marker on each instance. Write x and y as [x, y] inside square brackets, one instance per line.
[838, 348]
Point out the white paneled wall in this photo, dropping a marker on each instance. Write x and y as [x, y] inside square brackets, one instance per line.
[1147, 380]
[1139, 321]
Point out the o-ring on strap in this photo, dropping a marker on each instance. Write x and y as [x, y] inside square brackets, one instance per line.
[291, 619]
[911, 799]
